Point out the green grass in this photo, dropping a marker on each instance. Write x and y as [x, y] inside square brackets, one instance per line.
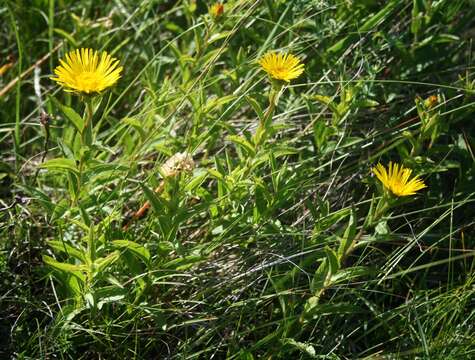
[272, 248]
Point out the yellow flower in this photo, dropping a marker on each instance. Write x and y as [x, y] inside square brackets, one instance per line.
[395, 179]
[216, 10]
[281, 66]
[87, 71]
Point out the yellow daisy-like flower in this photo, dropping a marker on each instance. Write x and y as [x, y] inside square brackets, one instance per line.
[395, 179]
[216, 10]
[281, 66]
[87, 71]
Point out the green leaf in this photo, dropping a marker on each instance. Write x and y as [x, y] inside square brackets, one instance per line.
[303, 347]
[245, 355]
[332, 261]
[108, 294]
[196, 181]
[219, 36]
[90, 301]
[328, 101]
[314, 310]
[327, 268]
[282, 150]
[216, 174]
[183, 263]
[368, 103]
[102, 263]
[75, 285]
[67, 36]
[71, 115]
[152, 197]
[349, 274]
[75, 270]
[256, 106]
[382, 228]
[98, 168]
[81, 225]
[348, 237]
[60, 209]
[320, 276]
[61, 246]
[137, 249]
[61, 164]
[137, 125]
[242, 143]
[333, 218]
[217, 102]
[320, 134]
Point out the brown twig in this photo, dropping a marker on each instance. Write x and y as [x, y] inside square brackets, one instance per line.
[12, 83]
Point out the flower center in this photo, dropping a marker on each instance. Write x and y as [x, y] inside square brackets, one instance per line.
[397, 188]
[88, 81]
[281, 70]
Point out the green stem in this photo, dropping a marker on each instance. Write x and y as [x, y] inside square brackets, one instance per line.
[86, 135]
[381, 208]
[86, 142]
[264, 124]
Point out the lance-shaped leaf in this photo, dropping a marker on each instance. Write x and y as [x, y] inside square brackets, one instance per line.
[138, 250]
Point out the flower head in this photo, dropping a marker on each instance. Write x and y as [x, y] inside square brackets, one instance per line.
[216, 10]
[431, 101]
[395, 179]
[281, 66]
[87, 71]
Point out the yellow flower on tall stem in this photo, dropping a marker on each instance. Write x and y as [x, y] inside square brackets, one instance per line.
[86, 71]
[396, 179]
[281, 66]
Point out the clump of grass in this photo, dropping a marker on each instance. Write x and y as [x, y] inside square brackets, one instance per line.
[210, 193]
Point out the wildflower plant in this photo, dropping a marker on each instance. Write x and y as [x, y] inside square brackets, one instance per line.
[396, 182]
[87, 74]
[281, 69]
